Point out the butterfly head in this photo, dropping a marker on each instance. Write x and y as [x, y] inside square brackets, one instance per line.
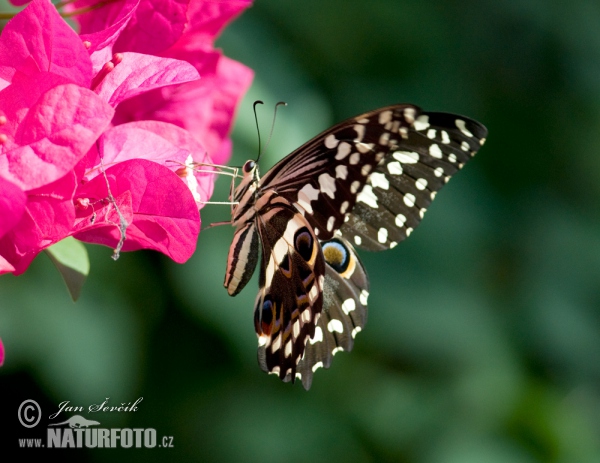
[245, 192]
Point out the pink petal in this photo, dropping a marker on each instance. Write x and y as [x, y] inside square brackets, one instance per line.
[1, 348]
[12, 205]
[38, 40]
[136, 141]
[108, 23]
[209, 17]
[5, 266]
[165, 216]
[48, 218]
[48, 131]
[202, 183]
[205, 107]
[155, 27]
[138, 73]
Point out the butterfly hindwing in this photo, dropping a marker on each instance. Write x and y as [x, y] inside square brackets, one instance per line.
[344, 313]
[291, 288]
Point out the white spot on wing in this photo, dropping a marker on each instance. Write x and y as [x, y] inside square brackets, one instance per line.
[400, 220]
[305, 315]
[452, 157]
[364, 295]
[368, 197]
[364, 147]
[438, 171]
[318, 336]
[406, 157]
[358, 240]
[344, 207]
[435, 151]
[335, 326]
[394, 168]
[330, 223]
[348, 306]
[382, 235]
[461, 126]
[327, 184]
[378, 179]
[464, 146]
[385, 117]
[354, 158]
[354, 186]
[431, 134]
[331, 142]
[360, 130]
[288, 348]
[313, 293]
[341, 171]
[307, 194]
[366, 169]
[409, 199]
[343, 151]
[276, 344]
[337, 349]
[421, 184]
[355, 331]
[445, 137]
[316, 366]
[384, 138]
[422, 122]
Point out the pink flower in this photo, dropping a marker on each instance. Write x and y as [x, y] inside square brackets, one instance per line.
[184, 30]
[152, 199]
[49, 119]
[57, 97]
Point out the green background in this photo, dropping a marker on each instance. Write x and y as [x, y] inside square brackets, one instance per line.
[483, 340]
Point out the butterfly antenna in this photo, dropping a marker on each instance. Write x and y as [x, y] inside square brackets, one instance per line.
[257, 128]
[281, 103]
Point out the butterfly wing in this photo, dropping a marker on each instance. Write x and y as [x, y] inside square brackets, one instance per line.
[374, 171]
[367, 180]
[344, 313]
[290, 297]
[398, 192]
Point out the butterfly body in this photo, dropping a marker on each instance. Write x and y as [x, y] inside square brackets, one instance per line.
[365, 182]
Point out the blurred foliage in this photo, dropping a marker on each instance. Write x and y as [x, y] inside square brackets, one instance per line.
[483, 341]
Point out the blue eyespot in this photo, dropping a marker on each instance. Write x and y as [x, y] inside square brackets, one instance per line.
[267, 311]
[336, 254]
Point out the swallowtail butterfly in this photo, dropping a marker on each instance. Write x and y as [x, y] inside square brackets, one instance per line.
[365, 183]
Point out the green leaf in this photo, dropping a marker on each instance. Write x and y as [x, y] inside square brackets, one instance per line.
[71, 259]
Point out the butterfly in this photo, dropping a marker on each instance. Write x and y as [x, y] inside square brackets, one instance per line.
[365, 182]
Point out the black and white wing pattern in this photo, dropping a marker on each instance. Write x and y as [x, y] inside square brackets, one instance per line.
[365, 182]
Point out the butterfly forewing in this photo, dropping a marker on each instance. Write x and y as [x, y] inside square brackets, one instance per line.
[365, 182]
[397, 194]
[324, 177]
